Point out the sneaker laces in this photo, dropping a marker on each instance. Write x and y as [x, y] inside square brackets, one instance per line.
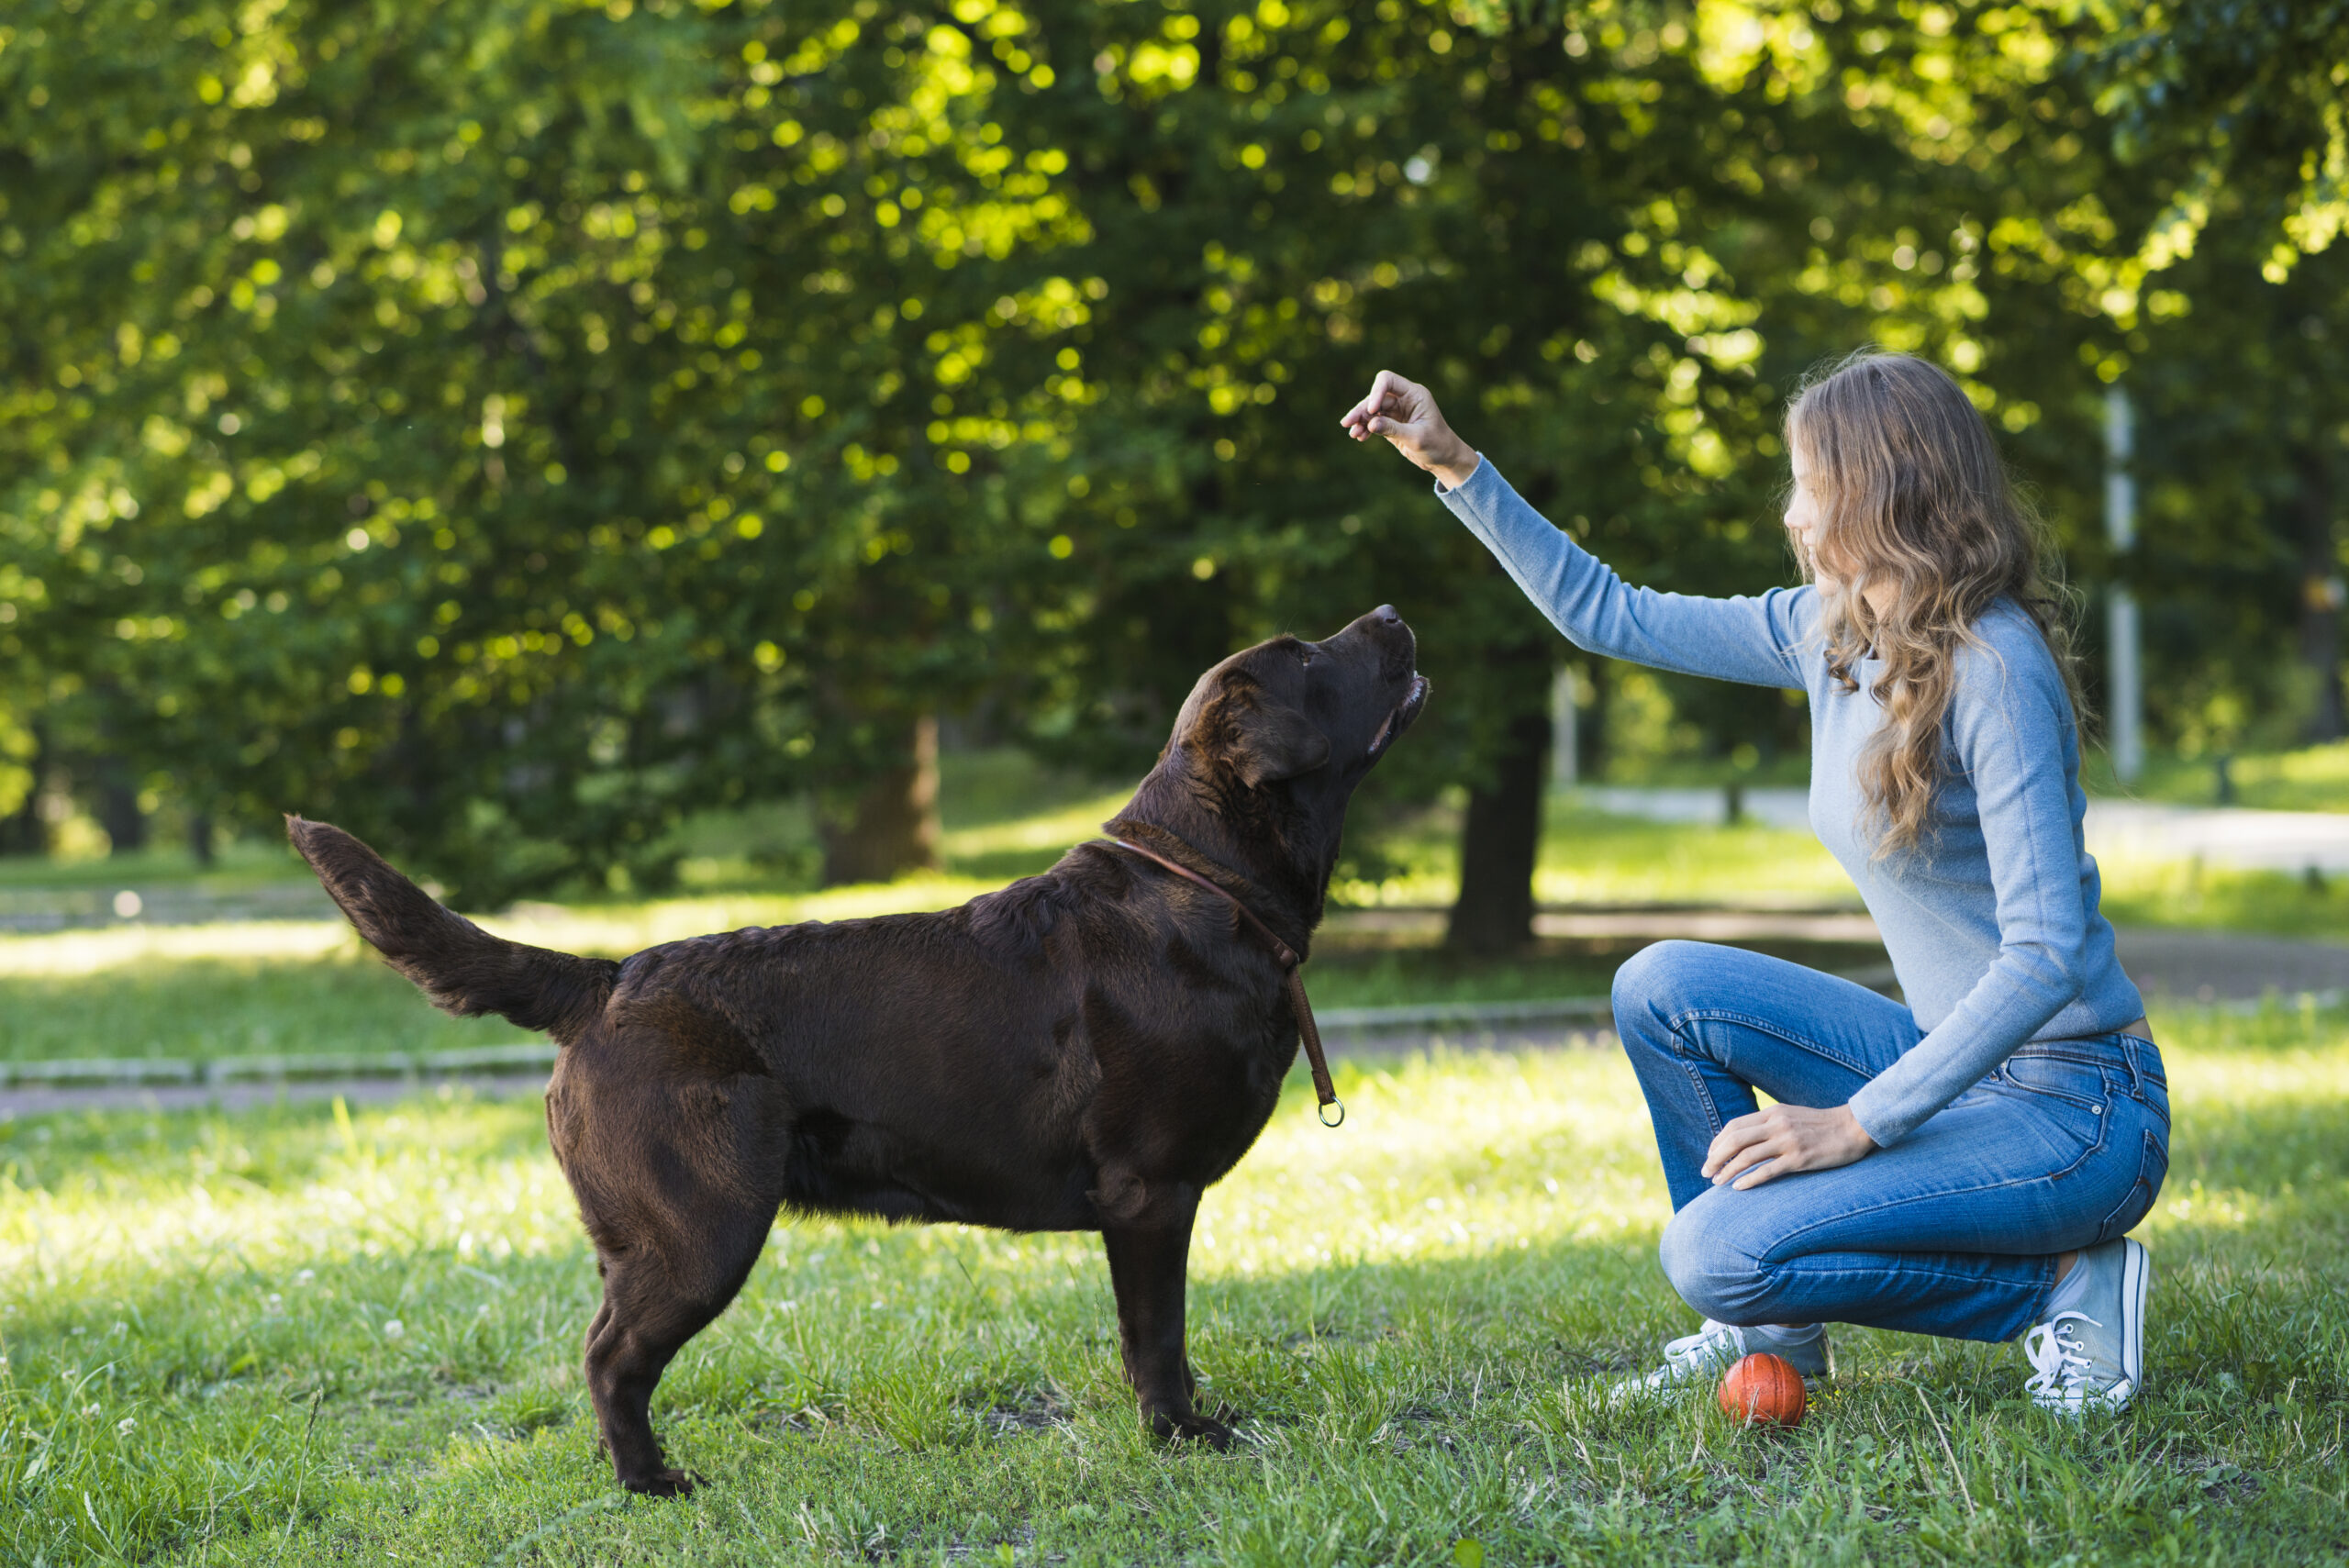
[2058, 1363]
[1705, 1344]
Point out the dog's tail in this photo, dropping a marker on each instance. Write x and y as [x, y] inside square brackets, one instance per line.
[464, 969]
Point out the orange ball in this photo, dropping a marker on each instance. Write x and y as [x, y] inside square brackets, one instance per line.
[1763, 1389]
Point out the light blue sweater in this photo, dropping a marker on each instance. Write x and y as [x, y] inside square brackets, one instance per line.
[1993, 927]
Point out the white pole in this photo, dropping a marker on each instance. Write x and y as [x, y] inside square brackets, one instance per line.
[2125, 693]
[1565, 752]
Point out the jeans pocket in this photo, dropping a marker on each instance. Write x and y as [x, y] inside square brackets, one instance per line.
[2072, 1097]
[2082, 1084]
[2152, 1167]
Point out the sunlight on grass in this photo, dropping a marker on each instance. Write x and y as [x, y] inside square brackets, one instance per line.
[124, 947]
[616, 930]
[1053, 829]
[1593, 857]
[295, 1335]
[2145, 891]
[2308, 778]
[1590, 857]
[612, 929]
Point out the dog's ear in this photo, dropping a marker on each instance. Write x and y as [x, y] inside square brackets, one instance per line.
[1265, 741]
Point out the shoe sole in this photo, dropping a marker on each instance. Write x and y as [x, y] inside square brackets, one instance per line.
[2136, 1279]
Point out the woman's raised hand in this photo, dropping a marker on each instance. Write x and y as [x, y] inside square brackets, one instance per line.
[1405, 413]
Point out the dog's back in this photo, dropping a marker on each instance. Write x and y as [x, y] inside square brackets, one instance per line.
[888, 1065]
[938, 1065]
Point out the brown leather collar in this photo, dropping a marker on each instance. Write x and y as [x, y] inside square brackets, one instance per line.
[1285, 956]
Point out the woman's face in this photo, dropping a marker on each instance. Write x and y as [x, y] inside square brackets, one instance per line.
[1831, 569]
[1804, 516]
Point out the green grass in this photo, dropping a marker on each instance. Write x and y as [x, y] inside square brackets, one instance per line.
[2307, 778]
[285, 988]
[197, 1314]
[240, 865]
[292, 988]
[203, 1009]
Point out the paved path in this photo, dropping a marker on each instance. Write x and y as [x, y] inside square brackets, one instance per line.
[2187, 967]
[2213, 966]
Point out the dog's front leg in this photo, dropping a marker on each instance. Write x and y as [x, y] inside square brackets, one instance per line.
[1148, 1269]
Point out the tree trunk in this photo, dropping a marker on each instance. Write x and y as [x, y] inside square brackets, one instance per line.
[119, 811]
[22, 831]
[200, 829]
[2321, 593]
[1503, 832]
[1591, 719]
[893, 827]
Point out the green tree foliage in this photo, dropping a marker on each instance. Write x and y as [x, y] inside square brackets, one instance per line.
[497, 425]
[2235, 114]
[2246, 102]
[510, 426]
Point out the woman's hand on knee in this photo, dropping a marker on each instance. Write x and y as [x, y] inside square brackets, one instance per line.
[1405, 413]
[1783, 1140]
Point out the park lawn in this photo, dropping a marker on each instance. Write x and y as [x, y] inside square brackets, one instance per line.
[262, 987]
[294, 1336]
[2304, 778]
[292, 988]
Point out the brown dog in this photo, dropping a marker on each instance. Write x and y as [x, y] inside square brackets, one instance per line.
[1087, 1050]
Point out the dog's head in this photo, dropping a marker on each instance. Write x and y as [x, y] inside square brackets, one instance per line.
[1270, 744]
[1315, 715]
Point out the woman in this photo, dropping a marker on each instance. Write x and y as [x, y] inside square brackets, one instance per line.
[1967, 1164]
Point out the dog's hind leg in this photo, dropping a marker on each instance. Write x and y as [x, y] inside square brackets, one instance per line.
[678, 1194]
[657, 1296]
[1149, 1268]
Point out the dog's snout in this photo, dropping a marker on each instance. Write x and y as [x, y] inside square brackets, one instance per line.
[1383, 623]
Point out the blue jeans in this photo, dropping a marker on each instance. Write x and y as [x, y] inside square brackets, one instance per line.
[1954, 1231]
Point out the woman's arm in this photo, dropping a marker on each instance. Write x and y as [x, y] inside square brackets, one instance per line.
[2011, 726]
[1748, 640]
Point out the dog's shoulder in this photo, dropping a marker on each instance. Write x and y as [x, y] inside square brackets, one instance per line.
[1023, 916]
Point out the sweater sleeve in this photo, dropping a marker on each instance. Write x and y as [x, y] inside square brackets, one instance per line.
[2011, 729]
[1752, 640]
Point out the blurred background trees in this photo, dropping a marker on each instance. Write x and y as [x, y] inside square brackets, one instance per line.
[511, 429]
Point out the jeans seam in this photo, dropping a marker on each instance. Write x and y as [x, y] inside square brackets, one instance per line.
[1972, 1279]
[1762, 1025]
[1696, 1077]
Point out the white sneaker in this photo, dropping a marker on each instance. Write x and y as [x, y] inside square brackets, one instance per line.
[2094, 1359]
[1703, 1356]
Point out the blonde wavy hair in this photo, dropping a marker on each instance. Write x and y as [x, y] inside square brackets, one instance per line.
[1911, 493]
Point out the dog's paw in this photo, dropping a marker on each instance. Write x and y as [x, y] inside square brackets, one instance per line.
[663, 1483]
[1191, 1427]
